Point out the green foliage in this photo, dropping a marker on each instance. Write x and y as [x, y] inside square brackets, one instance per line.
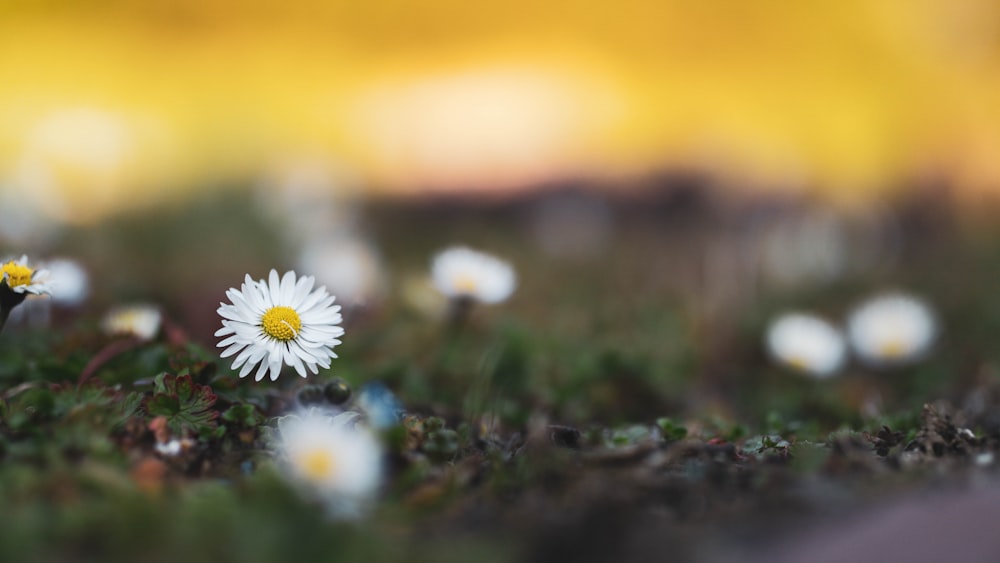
[242, 415]
[671, 430]
[186, 404]
[766, 445]
[588, 348]
[441, 444]
[628, 435]
[808, 457]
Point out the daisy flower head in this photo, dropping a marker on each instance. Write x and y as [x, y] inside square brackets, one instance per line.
[891, 329]
[277, 322]
[70, 282]
[20, 278]
[330, 456]
[807, 344]
[140, 320]
[460, 272]
[349, 267]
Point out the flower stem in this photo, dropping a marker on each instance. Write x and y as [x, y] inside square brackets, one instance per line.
[4, 313]
[8, 300]
[459, 311]
[105, 355]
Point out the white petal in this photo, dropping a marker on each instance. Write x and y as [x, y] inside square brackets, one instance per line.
[302, 289]
[232, 349]
[274, 287]
[287, 289]
[247, 368]
[261, 371]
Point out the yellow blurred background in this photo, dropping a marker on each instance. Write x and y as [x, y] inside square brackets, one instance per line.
[124, 104]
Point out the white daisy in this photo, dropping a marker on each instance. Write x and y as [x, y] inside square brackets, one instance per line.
[349, 267]
[891, 329]
[331, 457]
[21, 278]
[806, 343]
[279, 322]
[70, 282]
[461, 272]
[139, 320]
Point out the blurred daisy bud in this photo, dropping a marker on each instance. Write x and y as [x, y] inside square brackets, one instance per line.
[141, 321]
[348, 267]
[70, 282]
[807, 344]
[330, 458]
[462, 273]
[892, 329]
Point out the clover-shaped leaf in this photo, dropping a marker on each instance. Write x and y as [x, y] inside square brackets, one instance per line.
[185, 404]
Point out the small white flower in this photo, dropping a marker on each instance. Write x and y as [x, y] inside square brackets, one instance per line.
[891, 329]
[70, 282]
[279, 322]
[461, 272]
[173, 447]
[329, 456]
[139, 320]
[21, 278]
[349, 267]
[806, 343]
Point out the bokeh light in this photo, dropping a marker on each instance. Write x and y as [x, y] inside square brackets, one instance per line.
[132, 103]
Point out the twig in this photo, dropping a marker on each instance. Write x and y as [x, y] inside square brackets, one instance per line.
[106, 354]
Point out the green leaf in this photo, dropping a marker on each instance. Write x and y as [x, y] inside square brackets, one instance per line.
[184, 387]
[186, 404]
[163, 405]
[243, 414]
[159, 385]
[671, 430]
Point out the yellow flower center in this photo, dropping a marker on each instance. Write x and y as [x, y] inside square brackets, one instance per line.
[797, 362]
[316, 464]
[281, 323]
[16, 274]
[465, 283]
[893, 348]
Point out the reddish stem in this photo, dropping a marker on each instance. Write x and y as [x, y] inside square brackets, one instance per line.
[105, 355]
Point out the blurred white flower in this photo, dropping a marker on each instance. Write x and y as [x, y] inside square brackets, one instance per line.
[70, 282]
[309, 197]
[461, 272]
[279, 322]
[173, 447]
[22, 223]
[348, 267]
[169, 449]
[806, 343]
[19, 277]
[330, 457]
[891, 329]
[139, 320]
